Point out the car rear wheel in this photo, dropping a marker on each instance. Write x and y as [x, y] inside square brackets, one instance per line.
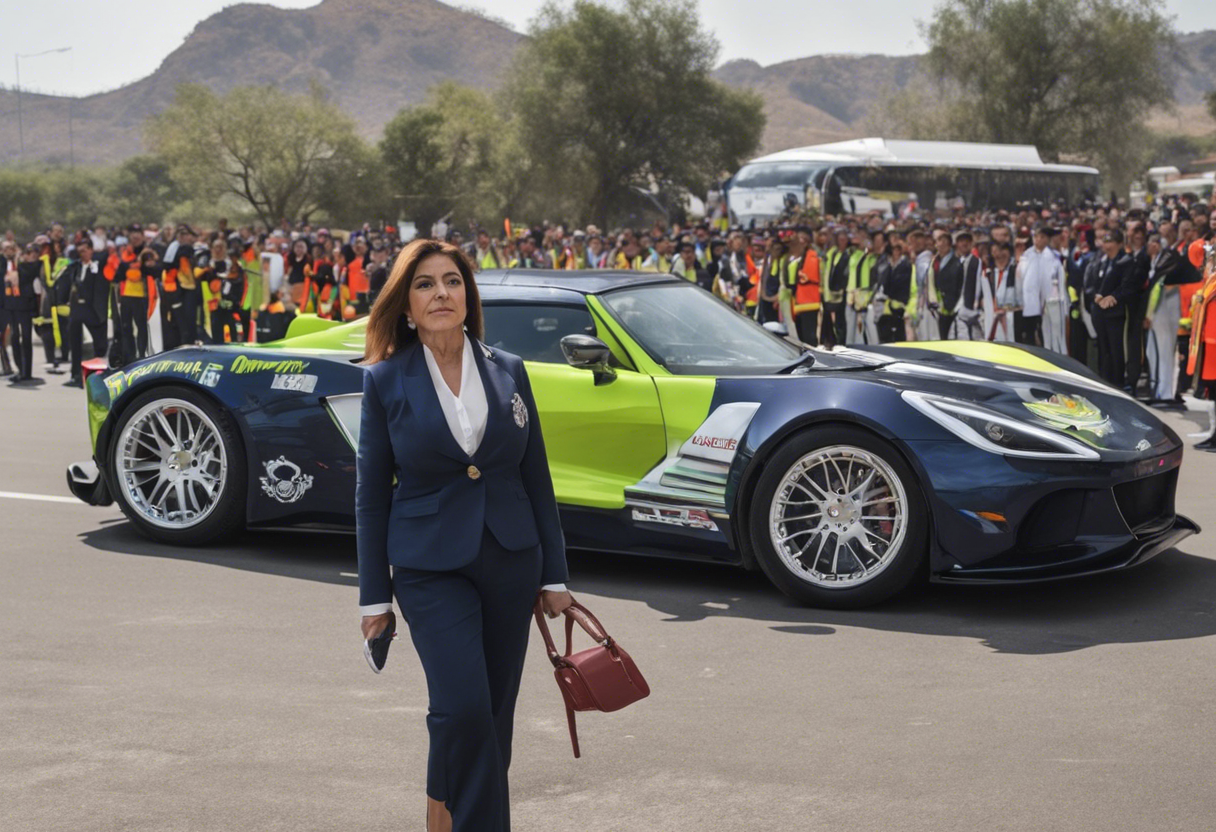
[177, 468]
[838, 519]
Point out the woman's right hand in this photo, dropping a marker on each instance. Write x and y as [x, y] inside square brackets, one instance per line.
[373, 625]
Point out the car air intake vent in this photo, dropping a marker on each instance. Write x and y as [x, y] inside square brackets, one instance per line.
[1147, 504]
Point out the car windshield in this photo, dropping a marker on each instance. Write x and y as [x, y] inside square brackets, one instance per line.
[690, 332]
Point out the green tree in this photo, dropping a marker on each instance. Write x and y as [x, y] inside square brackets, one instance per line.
[610, 99]
[22, 198]
[1210, 101]
[268, 149]
[449, 156]
[1072, 77]
[142, 189]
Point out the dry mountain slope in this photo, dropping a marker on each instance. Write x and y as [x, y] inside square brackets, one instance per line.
[375, 56]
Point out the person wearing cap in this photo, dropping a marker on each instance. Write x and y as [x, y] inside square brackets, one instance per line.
[1116, 287]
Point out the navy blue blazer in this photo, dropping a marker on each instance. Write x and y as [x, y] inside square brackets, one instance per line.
[434, 517]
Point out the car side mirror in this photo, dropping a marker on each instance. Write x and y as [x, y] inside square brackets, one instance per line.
[588, 353]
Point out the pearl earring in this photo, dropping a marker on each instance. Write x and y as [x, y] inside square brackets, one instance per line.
[410, 324]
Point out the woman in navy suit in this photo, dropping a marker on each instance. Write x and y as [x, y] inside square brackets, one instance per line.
[469, 527]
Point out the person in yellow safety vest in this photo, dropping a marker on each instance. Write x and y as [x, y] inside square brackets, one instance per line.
[181, 289]
[256, 293]
[510, 258]
[52, 320]
[701, 235]
[859, 292]
[773, 275]
[898, 290]
[485, 254]
[834, 282]
[804, 288]
[578, 250]
[629, 257]
[688, 268]
[660, 257]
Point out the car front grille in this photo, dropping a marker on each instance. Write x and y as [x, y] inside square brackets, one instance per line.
[1147, 504]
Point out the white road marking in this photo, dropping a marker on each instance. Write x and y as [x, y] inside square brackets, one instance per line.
[46, 498]
[347, 575]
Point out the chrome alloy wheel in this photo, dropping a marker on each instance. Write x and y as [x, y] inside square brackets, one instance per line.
[838, 517]
[171, 463]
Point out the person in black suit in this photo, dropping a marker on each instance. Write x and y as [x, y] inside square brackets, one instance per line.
[1116, 289]
[85, 286]
[1137, 304]
[469, 528]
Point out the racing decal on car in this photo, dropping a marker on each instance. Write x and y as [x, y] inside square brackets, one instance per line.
[697, 472]
[519, 410]
[211, 375]
[285, 489]
[297, 382]
[687, 518]
[243, 365]
[118, 382]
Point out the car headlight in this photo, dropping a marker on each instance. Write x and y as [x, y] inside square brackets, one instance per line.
[997, 433]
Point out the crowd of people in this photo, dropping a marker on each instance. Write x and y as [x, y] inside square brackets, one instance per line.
[1110, 288]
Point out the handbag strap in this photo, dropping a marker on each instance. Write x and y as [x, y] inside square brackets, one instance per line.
[590, 624]
[575, 612]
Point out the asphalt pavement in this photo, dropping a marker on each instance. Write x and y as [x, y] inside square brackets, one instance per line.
[144, 687]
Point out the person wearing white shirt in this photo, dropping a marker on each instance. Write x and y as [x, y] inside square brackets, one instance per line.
[1044, 292]
[455, 517]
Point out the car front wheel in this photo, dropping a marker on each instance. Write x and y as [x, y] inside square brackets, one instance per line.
[838, 519]
[177, 469]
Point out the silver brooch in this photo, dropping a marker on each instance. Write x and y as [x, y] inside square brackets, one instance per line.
[485, 350]
[520, 411]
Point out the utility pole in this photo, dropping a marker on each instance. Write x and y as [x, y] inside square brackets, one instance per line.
[20, 131]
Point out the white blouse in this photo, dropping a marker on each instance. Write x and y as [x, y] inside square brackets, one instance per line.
[466, 417]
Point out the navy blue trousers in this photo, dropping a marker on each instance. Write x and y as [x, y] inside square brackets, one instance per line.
[470, 627]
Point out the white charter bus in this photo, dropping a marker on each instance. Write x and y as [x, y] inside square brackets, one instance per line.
[893, 176]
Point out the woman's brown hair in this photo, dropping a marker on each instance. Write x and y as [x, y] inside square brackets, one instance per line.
[387, 331]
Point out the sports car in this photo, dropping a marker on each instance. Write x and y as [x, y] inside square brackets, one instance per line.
[677, 428]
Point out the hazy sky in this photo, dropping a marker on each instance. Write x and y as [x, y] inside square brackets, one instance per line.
[115, 42]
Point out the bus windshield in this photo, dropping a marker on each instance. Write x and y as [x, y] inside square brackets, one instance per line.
[776, 175]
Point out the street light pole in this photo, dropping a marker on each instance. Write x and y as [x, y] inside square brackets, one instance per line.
[20, 127]
[20, 130]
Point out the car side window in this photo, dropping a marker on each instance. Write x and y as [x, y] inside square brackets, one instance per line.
[534, 331]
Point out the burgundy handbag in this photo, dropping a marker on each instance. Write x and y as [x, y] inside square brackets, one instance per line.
[600, 678]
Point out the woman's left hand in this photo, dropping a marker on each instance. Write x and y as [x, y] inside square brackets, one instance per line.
[553, 603]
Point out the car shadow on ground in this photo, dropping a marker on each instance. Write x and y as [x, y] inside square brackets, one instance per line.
[1171, 597]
